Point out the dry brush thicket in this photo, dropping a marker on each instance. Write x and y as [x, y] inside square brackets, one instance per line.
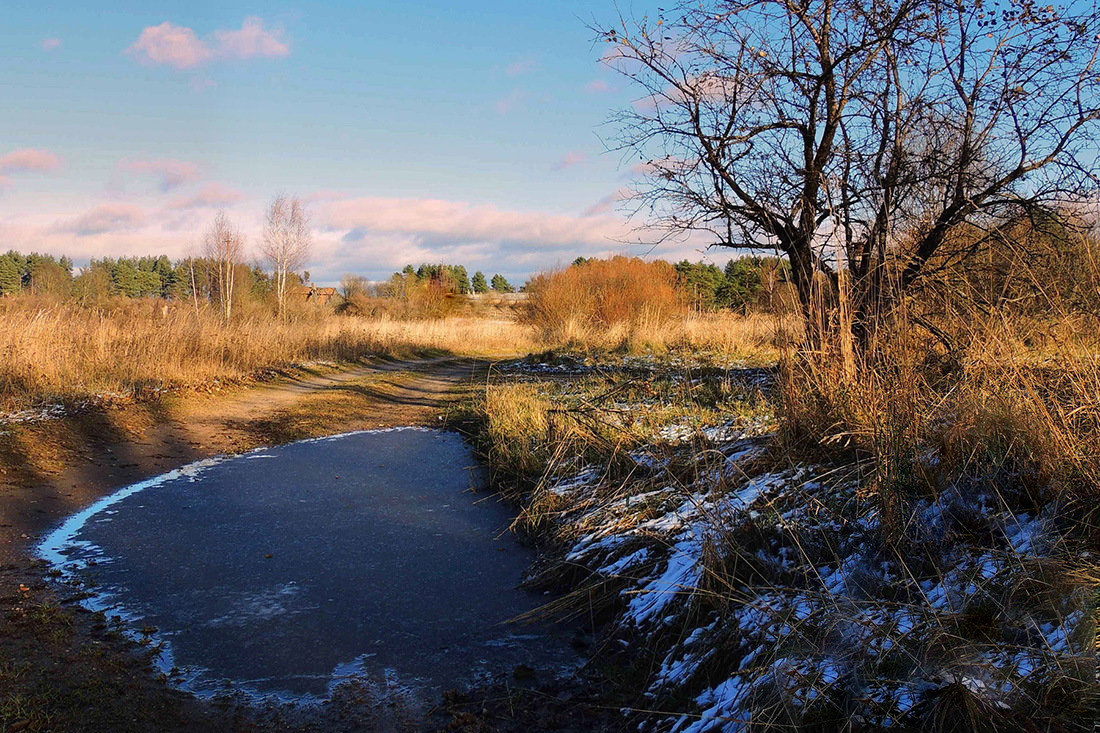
[635, 305]
[898, 535]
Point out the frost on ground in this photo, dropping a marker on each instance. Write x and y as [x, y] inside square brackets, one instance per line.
[761, 596]
[674, 365]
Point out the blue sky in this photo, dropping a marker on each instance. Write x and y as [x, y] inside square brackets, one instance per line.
[467, 133]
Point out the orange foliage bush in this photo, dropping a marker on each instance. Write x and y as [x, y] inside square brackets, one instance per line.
[622, 298]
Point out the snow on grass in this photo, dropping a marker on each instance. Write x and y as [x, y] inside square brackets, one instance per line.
[769, 595]
[830, 613]
[41, 414]
[681, 576]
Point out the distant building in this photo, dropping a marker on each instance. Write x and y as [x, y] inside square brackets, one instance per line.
[312, 294]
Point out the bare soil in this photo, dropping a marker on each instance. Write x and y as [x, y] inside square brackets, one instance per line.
[65, 669]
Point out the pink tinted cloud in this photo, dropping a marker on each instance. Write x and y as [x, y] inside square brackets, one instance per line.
[181, 48]
[171, 173]
[50, 44]
[615, 52]
[571, 159]
[597, 86]
[251, 41]
[435, 221]
[213, 195]
[170, 45]
[624, 57]
[29, 159]
[102, 219]
[324, 194]
[710, 86]
[660, 167]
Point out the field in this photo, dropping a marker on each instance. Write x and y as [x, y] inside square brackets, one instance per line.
[63, 351]
[762, 532]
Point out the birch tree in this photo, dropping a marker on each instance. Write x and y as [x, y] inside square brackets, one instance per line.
[223, 245]
[286, 243]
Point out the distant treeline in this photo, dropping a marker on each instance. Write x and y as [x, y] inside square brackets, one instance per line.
[131, 277]
[416, 292]
[33, 272]
[453, 278]
[742, 283]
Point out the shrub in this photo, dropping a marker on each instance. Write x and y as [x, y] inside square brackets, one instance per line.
[622, 299]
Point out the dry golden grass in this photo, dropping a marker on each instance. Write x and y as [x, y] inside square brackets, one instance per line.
[991, 367]
[1012, 399]
[516, 420]
[628, 304]
[51, 350]
[728, 335]
[756, 338]
[54, 349]
[1012, 414]
[988, 411]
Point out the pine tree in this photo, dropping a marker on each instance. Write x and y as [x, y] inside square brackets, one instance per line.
[480, 284]
[460, 278]
[124, 278]
[501, 285]
[11, 279]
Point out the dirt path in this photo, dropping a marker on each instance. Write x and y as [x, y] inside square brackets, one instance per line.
[417, 399]
[65, 669]
[51, 469]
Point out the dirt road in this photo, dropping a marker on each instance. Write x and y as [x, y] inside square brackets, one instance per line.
[65, 669]
[52, 468]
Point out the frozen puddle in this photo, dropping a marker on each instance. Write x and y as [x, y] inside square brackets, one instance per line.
[365, 554]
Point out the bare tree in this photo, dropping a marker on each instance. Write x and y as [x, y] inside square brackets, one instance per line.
[856, 137]
[223, 245]
[352, 286]
[286, 243]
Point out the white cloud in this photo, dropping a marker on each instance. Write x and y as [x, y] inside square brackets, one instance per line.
[372, 236]
[454, 222]
[181, 48]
